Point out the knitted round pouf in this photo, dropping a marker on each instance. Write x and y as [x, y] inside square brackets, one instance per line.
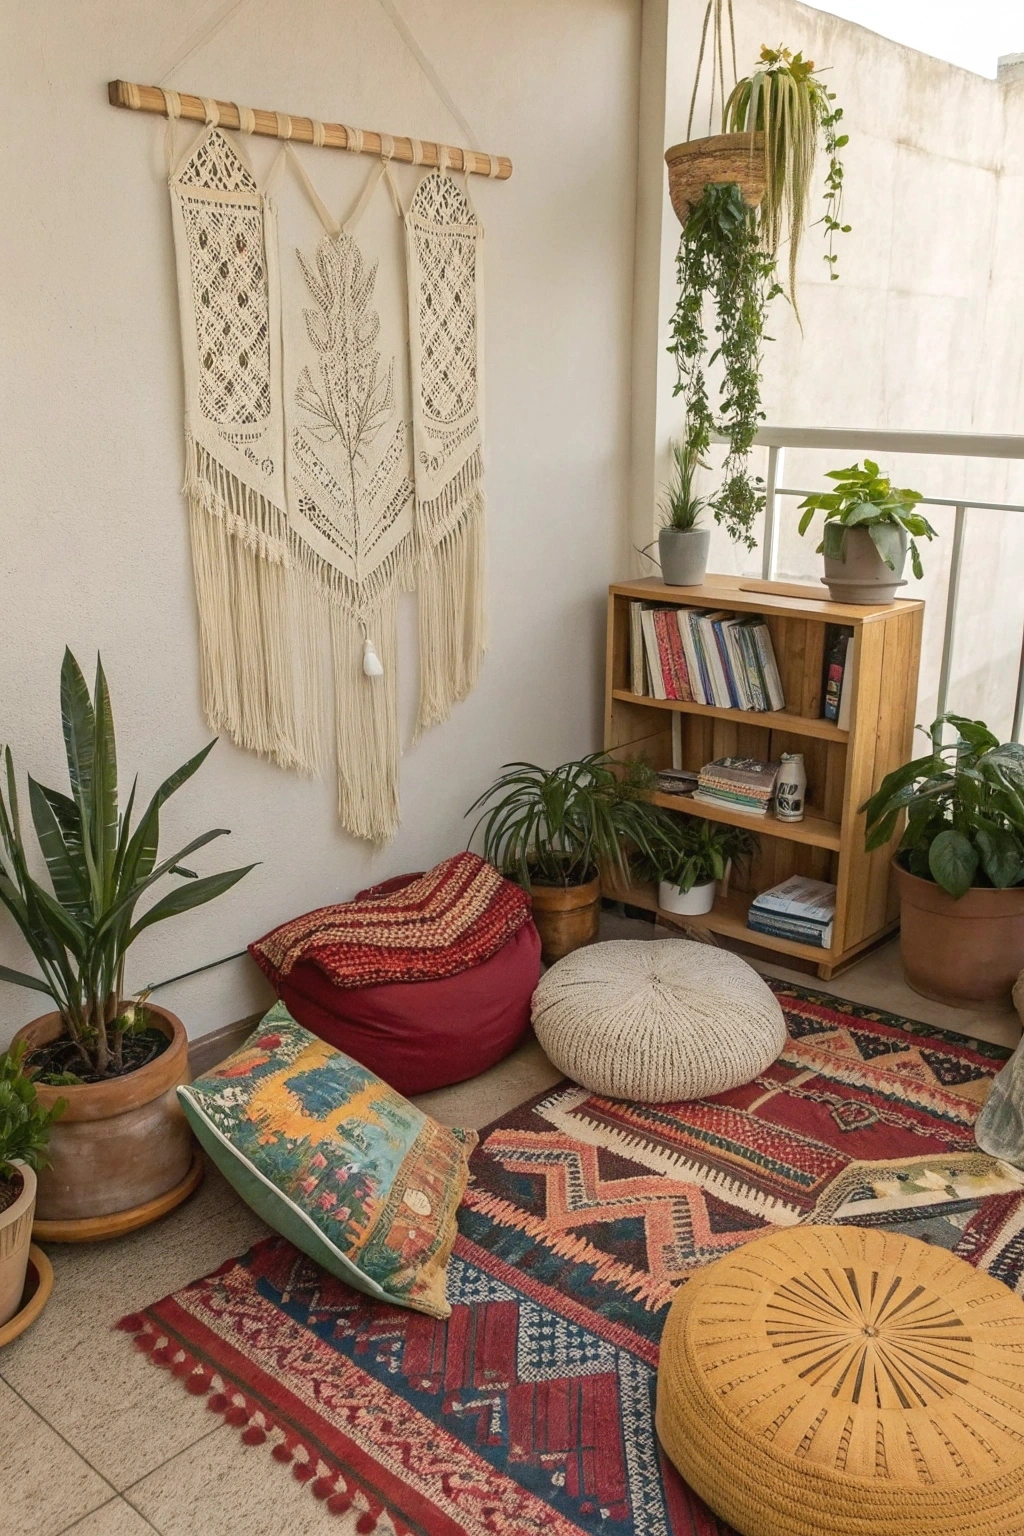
[657, 1020]
[847, 1381]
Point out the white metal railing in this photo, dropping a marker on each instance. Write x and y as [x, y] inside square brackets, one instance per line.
[931, 444]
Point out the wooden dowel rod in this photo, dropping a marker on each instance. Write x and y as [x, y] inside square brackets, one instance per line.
[150, 98]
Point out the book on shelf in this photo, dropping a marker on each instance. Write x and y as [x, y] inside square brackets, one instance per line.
[704, 656]
[837, 681]
[738, 783]
[800, 909]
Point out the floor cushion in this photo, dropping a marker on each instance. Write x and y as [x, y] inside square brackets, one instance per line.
[657, 1020]
[424, 1034]
[436, 1012]
[848, 1380]
[336, 1161]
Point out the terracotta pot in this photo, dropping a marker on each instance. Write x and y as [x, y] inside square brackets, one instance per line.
[724, 157]
[962, 952]
[120, 1144]
[566, 917]
[15, 1241]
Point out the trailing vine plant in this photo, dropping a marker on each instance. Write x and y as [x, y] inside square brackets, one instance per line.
[721, 254]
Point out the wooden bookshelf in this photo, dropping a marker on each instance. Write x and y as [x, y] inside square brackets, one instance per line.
[843, 767]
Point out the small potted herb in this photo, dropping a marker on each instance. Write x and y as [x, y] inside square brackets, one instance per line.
[959, 864]
[688, 856]
[869, 524]
[683, 546]
[24, 1132]
[555, 830]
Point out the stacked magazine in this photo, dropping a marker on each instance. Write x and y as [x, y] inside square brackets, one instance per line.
[800, 909]
[739, 783]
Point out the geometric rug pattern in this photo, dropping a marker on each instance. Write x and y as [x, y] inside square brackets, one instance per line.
[531, 1409]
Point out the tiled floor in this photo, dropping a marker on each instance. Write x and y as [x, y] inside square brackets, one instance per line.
[96, 1441]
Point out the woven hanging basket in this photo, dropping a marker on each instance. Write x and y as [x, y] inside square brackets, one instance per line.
[725, 157]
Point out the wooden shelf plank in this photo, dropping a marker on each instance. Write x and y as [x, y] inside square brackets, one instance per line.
[727, 592]
[728, 917]
[770, 720]
[814, 830]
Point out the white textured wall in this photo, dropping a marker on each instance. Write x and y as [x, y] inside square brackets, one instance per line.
[923, 331]
[94, 548]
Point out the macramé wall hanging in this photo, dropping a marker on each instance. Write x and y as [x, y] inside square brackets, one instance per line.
[312, 502]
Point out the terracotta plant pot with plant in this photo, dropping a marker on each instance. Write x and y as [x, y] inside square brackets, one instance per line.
[25, 1127]
[869, 526]
[121, 1154]
[554, 830]
[959, 866]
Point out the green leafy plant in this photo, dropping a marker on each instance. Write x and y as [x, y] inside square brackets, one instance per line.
[680, 507]
[99, 868]
[964, 804]
[560, 826]
[721, 257]
[690, 850]
[24, 1123]
[794, 109]
[865, 498]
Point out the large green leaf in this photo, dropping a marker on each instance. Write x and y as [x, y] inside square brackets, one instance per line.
[192, 894]
[66, 866]
[953, 861]
[887, 539]
[104, 827]
[1001, 856]
[79, 723]
[140, 854]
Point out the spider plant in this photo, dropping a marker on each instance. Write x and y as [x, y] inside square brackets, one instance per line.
[792, 106]
[680, 508]
[99, 867]
[559, 826]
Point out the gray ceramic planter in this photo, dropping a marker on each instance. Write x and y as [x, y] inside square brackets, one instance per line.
[684, 555]
[862, 576]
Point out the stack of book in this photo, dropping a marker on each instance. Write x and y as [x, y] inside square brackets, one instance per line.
[703, 657]
[800, 909]
[740, 783]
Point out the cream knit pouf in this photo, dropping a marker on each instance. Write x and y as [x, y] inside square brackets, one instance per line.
[657, 1020]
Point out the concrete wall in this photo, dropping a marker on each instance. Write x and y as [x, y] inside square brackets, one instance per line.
[923, 331]
[94, 550]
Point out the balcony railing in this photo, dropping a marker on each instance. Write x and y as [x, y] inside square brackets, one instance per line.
[931, 444]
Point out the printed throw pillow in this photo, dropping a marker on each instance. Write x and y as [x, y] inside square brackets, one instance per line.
[336, 1161]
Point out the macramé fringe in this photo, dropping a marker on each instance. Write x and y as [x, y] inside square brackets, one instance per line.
[450, 586]
[266, 603]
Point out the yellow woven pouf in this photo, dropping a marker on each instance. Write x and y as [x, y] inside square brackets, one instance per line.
[842, 1381]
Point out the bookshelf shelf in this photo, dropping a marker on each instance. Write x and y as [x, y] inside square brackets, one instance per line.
[844, 767]
[814, 830]
[778, 720]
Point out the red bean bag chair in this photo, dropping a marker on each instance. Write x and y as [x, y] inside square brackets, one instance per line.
[426, 979]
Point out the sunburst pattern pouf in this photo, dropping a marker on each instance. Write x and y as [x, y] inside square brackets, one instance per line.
[657, 1020]
[843, 1381]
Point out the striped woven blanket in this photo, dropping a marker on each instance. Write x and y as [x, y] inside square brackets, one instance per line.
[452, 918]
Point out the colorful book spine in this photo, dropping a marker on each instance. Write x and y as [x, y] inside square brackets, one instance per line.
[661, 619]
[651, 652]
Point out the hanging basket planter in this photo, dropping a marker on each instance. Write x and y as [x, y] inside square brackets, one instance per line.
[725, 157]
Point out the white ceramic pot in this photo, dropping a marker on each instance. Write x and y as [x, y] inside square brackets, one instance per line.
[15, 1238]
[691, 903]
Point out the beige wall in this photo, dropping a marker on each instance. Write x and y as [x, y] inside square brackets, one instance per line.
[94, 549]
[923, 331]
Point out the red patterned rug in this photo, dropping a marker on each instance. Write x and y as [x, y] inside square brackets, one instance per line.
[531, 1409]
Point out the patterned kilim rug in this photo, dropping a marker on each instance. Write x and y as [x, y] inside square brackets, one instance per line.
[531, 1409]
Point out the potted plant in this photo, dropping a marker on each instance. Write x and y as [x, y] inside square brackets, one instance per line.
[792, 111]
[123, 1144]
[553, 830]
[24, 1131]
[721, 257]
[959, 864]
[869, 524]
[682, 546]
[689, 856]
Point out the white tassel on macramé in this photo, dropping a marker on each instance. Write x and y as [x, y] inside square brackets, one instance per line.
[366, 724]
